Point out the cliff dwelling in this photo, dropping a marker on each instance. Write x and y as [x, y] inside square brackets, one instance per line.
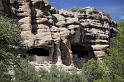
[37, 54]
[61, 36]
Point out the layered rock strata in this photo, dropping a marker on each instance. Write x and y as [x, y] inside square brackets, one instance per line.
[98, 29]
[60, 36]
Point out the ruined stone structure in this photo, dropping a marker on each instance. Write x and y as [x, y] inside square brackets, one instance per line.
[60, 36]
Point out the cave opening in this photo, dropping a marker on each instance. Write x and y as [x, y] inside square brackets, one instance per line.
[38, 55]
[81, 54]
[38, 52]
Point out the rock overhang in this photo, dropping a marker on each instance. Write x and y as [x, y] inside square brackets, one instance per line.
[57, 31]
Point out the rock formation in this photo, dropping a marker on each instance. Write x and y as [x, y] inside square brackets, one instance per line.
[60, 36]
[98, 27]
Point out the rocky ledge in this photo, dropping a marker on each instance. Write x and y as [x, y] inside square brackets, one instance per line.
[60, 37]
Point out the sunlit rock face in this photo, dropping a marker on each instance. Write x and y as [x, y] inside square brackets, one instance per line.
[98, 30]
[58, 36]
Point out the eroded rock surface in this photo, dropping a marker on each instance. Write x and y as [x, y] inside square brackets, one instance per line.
[60, 36]
[98, 29]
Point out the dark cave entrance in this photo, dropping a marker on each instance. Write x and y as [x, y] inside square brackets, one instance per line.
[81, 54]
[37, 52]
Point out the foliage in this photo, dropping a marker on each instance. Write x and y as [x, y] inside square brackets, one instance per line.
[59, 75]
[111, 70]
[10, 43]
[80, 10]
[92, 71]
[28, 74]
[10, 46]
[115, 58]
[25, 72]
[9, 33]
[10, 39]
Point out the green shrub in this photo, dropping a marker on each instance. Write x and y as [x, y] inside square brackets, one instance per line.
[10, 43]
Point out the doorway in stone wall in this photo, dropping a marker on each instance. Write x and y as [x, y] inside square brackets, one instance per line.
[38, 55]
[81, 54]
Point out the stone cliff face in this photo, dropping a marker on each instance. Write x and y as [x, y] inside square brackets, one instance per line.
[60, 36]
[98, 30]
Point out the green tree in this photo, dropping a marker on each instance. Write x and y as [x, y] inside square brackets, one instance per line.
[92, 71]
[25, 72]
[115, 57]
[10, 43]
[112, 69]
[59, 75]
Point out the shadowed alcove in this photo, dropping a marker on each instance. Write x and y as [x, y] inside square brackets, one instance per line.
[81, 54]
[37, 54]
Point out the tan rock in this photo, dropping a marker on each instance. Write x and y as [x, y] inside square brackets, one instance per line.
[25, 27]
[27, 35]
[39, 13]
[72, 20]
[57, 34]
[99, 47]
[99, 54]
[59, 17]
[42, 26]
[61, 23]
